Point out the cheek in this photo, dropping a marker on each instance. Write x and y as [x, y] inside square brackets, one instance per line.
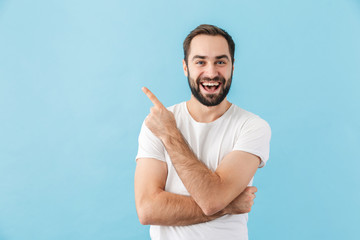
[231, 71]
[226, 69]
[226, 73]
[194, 75]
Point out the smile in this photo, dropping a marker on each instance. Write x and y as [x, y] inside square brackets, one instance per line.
[210, 87]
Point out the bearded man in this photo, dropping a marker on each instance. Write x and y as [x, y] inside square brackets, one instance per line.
[196, 160]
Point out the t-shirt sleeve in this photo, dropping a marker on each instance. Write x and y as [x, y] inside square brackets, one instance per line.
[254, 138]
[150, 146]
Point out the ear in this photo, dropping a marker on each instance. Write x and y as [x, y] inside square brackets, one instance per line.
[185, 68]
[233, 64]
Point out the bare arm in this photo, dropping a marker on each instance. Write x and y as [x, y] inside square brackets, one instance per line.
[212, 191]
[155, 206]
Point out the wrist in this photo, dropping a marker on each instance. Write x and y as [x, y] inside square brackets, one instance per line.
[170, 136]
[226, 210]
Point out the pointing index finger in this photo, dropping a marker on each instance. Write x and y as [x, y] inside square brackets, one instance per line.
[152, 97]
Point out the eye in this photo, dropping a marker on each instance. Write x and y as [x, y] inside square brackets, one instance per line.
[200, 62]
[220, 62]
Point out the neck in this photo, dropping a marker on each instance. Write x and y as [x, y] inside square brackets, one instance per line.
[205, 114]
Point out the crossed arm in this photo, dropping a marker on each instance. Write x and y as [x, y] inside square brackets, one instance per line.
[213, 194]
[156, 206]
[212, 191]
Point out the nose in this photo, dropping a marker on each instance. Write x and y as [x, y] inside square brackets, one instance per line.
[211, 71]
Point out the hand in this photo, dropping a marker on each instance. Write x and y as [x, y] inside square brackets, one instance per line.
[160, 120]
[243, 202]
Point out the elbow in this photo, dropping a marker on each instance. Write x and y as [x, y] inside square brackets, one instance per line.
[211, 211]
[144, 213]
[144, 217]
[212, 203]
[144, 220]
[146, 206]
[212, 207]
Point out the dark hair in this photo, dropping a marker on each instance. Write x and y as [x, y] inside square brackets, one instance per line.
[208, 30]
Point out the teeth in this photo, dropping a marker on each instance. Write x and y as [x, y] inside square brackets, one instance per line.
[210, 83]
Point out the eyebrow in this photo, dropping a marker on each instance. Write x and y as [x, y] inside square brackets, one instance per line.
[222, 56]
[204, 57]
[198, 56]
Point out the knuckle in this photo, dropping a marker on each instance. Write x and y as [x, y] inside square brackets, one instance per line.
[153, 110]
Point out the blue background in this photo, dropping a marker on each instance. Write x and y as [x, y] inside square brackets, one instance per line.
[71, 108]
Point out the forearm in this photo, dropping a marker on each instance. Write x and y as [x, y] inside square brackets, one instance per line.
[169, 209]
[203, 184]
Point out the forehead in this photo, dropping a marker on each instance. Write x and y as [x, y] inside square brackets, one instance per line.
[210, 46]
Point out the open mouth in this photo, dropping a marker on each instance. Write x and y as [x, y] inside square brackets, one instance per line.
[210, 87]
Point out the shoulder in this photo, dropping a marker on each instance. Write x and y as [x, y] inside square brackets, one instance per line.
[179, 110]
[176, 107]
[253, 135]
[248, 120]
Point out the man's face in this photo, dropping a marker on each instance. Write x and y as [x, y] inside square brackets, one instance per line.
[209, 69]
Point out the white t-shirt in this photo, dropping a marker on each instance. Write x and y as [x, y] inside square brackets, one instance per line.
[236, 129]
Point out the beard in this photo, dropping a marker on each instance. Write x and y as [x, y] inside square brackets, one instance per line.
[209, 100]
